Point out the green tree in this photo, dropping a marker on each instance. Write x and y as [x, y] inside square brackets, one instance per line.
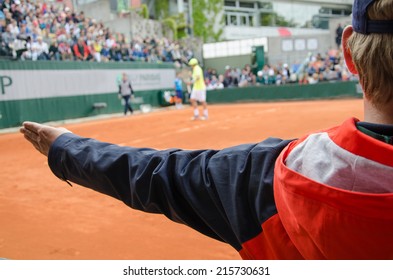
[206, 15]
[161, 9]
[177, 23]
[171, 24]
[143, 11]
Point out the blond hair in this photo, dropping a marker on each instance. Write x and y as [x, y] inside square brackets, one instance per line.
[372, 55]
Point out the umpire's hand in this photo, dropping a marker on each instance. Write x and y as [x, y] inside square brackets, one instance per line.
[41, 136]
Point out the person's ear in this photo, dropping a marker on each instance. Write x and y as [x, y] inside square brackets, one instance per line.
[346, 51]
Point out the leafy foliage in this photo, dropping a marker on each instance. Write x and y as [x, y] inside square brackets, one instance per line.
[205, 13]
[143, 11]
[171, 24]
[161, 8]
[177, 23]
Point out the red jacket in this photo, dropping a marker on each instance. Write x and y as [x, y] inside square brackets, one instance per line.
[335, 201]
[78, 54]
[328, 195]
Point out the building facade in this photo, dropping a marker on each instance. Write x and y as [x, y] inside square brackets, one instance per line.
[252, 15]
[289, 30]
[240, 19]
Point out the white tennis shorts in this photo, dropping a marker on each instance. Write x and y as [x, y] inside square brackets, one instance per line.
[198, 95]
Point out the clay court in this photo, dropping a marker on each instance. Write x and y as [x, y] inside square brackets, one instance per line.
[42, 218]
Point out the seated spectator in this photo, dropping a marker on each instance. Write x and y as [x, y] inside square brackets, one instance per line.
[115, 53]
[125, 52]
[110, 41]
[7, 41]
[235, 76]
[24, 30]
[211, 84]
[7, 16]
[161, 53]
[285, 73]
[96, 49]
[269, 75]
[81, 51]
[245, 78]
[69, 27]
[16, 11]
[220, 82]
[330, 74]
[39, 50]
[175, 53]
[14, 28]
[54, 25]
[228, 79]
[311, 69]
[61, 33]
[338, 69]
[314, 79]
[65, 51]
[105, 56]
[154, 57]
[5, 5]
[54, 53]
[280, 78]
[137, 54]
[145, 52]
[260, 80]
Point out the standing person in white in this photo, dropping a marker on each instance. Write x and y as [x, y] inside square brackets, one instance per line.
[198, 93]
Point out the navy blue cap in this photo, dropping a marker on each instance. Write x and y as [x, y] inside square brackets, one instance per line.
[362, 24]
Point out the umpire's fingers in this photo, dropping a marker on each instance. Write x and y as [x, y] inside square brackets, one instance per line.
[30, 134]
[32, 137]
[41, 136]
[33, 126]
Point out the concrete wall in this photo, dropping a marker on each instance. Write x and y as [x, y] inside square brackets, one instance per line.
[291, 50]
[295, 49]
[130, 25]
[247, 32]
[333, 23]
[99, 10]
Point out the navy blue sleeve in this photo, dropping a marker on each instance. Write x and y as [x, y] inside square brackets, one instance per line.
[225, 194]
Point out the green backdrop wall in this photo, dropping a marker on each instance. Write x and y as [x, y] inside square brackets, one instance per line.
[53, 91]
[286, 92]
[50, 91]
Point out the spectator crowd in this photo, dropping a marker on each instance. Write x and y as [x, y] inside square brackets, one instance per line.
[36, 30]
[314, 69]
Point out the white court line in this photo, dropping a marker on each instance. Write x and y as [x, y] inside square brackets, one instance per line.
[179, 131]
[271, 110]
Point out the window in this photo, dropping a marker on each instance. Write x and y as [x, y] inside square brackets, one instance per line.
[312, 44]
[246, 5]
[239, 19]
[287, 45]
[243, 20]
[230, 3]
[250, 20]
[232, 19]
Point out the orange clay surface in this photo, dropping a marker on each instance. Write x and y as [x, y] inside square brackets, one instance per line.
[43, 218]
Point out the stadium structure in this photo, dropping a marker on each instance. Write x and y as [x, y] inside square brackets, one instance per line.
[288, 30]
